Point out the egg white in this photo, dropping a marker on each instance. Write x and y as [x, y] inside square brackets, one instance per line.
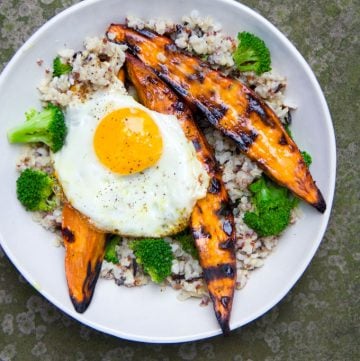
[153, 203]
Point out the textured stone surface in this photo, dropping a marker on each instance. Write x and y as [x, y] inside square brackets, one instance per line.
[319, 318]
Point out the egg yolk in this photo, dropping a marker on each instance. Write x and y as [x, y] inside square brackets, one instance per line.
[128, 141]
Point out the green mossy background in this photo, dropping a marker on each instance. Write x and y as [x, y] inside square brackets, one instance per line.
[319, 318]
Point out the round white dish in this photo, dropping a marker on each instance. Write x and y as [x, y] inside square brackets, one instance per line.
[152, 314]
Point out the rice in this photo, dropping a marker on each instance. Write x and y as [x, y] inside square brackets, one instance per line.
[38, 157]
[96, 67]
[195, 34]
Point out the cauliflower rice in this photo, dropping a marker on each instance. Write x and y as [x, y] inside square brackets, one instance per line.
[97, 67]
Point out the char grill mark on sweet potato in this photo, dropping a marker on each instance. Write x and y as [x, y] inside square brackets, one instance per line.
[231, 107]
[68, 235]
[212, 227]
[84, 253]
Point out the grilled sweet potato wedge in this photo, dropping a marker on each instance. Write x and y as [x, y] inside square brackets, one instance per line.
[121, 75]
[212, 221]
[228, 105]
[84, 247]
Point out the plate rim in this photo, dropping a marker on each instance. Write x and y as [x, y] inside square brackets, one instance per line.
[319, 236]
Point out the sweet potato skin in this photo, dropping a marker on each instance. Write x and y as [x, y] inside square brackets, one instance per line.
[230, 106]
[84, 253]
[211, 222]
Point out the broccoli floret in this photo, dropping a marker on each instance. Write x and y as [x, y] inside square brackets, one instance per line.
[273, 205]
[30, 113]
[47, 126]
[34, 190]
[268, 223]
[307, 158]
[187, 243]
[60, 68]
[155, 256]
[110, 250]
[252, 54]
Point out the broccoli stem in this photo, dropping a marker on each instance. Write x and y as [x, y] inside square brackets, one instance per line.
[245, 57]
[47, 126]
[33, 130]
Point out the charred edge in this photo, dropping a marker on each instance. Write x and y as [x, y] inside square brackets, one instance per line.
[227, 227]
[180, 89]
[175, 61]
[179, 106]
[214, 186]
[199, 67]
[80, 307]
[217, 110]
[225, 270]
[213, 114]
[164, 69]
[88, 287]
[92, 276]
[224, 324]
[171, 48]
[152, 79]
[225, 301]
[282, 140]
[201, 77]
[196, 144]
[227, 245]
[200, 233]
[68, 235]
[133, 49]
[242, 139]
[256, 107]
[224, 210]
[210, 163]
[320, 205]
[197, 76]
[191, 77]
[147, 33]
[223, 319]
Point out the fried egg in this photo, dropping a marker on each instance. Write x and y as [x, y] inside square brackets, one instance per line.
[130, 170]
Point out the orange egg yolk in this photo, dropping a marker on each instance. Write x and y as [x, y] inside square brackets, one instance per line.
[128, 141]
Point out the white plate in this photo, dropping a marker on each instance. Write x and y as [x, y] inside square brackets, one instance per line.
[149, 313]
